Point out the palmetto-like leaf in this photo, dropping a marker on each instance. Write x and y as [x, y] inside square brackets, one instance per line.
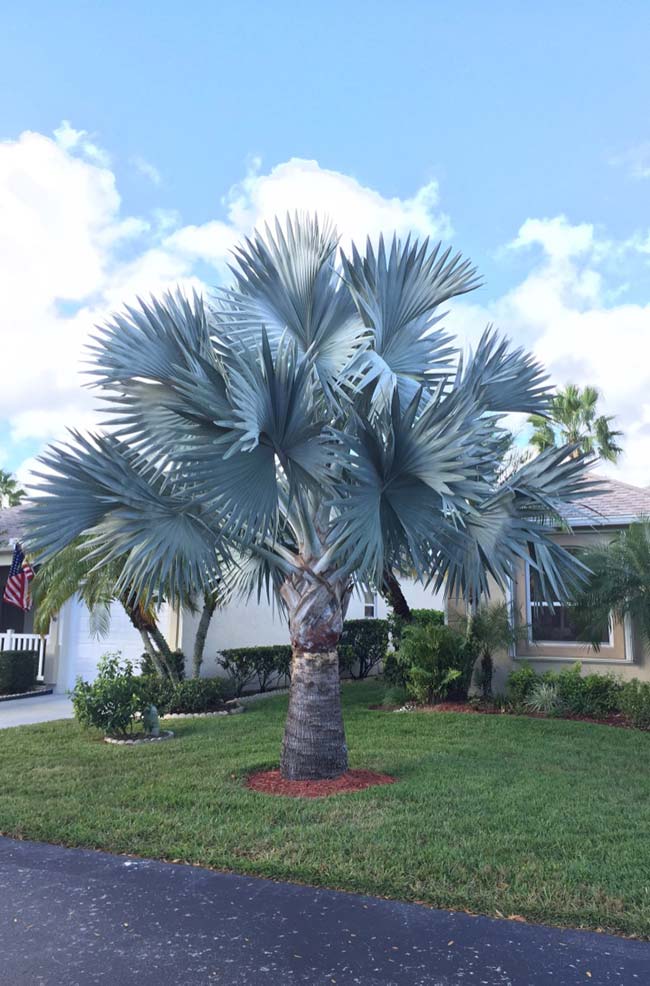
[398, 293]
[312, 428]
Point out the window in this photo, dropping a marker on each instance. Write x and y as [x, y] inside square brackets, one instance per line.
[369, 606]
[552, 624]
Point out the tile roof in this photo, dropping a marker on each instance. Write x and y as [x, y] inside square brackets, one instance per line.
[12, 526]
[617, 503]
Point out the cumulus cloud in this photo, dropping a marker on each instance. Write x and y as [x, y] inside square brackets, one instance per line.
[69, 255]
[563, 311]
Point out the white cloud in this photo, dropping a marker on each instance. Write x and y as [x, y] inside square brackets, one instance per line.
[147, 169]
[68, 256]
[70, 139]
[563, 311]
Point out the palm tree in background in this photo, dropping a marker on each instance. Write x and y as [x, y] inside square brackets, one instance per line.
[573, 419]
[71, 571]
[310, 428]
[619, 583]
[11, 493]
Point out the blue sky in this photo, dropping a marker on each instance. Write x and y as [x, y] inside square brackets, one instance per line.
[519, 131]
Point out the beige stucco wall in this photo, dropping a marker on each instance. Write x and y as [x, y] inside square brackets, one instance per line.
[625, 656]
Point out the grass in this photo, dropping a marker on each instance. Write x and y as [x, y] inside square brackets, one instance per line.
[544, 819]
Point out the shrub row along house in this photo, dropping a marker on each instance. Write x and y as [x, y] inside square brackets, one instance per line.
[549, 641]
[71, 649]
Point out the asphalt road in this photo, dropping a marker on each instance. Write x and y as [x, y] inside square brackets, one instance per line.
[71, 917]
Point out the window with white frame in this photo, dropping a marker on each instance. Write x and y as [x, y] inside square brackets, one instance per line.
[551, 623]
[369, 605]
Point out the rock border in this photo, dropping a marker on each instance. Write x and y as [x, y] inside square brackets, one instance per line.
[204, 715]
[44, 690]
[166, 735]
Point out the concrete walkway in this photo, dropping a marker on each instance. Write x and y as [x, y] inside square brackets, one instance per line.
[41, 708]
[72, 917]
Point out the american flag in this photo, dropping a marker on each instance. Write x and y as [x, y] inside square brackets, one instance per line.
[20, 575]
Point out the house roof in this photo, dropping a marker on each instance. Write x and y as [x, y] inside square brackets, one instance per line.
[616, 505]
[12, 526]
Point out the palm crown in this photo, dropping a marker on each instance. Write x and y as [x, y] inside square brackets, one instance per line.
[310, 427]
[573, 418]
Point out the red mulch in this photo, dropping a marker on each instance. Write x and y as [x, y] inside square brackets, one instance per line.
[271, 782]
[615, 719]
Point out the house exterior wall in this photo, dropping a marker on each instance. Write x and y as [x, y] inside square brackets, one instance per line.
[624, 656]
[253, 624]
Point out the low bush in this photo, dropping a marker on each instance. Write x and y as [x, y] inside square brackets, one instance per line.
[244, 665]
[634, 702]
[397, 625]
[543, 697]
[178, 664]
[362, 647]
[197, 695]
[521, 683]
[18, 670]
[435, 663]
[112, 702]
[592, 695]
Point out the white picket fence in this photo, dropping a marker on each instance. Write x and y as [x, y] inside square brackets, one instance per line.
[26, 641]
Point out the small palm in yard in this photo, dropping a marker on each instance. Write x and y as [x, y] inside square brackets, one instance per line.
[619, 583]
[574, 419]
[306, 429]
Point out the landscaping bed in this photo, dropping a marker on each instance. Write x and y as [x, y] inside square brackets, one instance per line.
[495, 814]
[614, 719]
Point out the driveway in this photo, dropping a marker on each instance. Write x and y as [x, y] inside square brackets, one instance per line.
[71, 917]
[41, 708]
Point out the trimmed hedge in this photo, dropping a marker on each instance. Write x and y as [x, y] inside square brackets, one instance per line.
[592, 695]
[178, 659]
[363, 645]
[18, 670]
[245, 664]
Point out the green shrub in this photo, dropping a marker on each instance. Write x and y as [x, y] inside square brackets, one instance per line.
[521, 683]
[363, 646]
[396, 625]
[634, 702]
[18, 670]
[157, 691]
[246, 664]
[198, 695]
[178, 664]
[112, 702]
[592, 695]
[543, 697]
[435, 662]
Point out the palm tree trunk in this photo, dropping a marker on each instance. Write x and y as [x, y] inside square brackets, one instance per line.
[209, 606]
[391, 590]
[314, 744]
[164, 650]
[151, 651]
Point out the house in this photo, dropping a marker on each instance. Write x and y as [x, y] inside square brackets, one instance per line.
[548, 640]
[69, 649]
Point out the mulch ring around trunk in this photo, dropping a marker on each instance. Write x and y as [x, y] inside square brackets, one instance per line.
[272, 782]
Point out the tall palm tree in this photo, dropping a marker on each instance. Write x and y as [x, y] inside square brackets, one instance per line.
[573, 419]
[10, 491]
[308, 428]
[619, 583]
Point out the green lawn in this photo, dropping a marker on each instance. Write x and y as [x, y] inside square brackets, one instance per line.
[546, 819]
